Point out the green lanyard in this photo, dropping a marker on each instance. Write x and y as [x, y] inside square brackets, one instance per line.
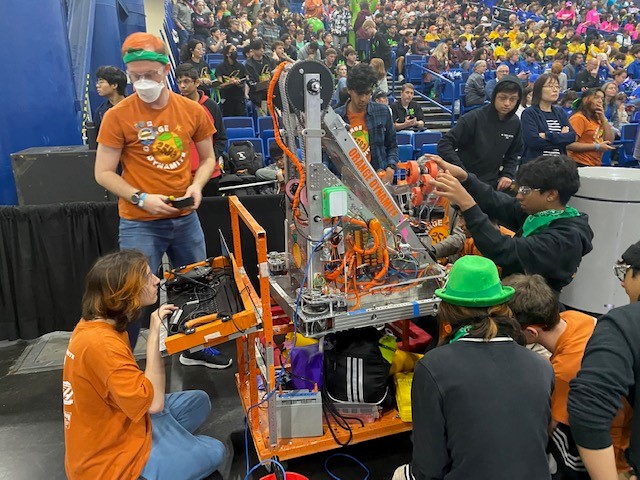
[462, 332]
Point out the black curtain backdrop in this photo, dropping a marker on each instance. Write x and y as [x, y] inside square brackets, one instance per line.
[46, 252]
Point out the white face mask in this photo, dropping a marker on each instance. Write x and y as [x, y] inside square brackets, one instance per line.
[148, 90]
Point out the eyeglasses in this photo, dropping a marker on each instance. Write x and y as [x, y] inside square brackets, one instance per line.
[620, 270]
[524, 191]
[552, 87]
[134, 77]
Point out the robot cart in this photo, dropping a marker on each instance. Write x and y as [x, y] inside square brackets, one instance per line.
[256, 359]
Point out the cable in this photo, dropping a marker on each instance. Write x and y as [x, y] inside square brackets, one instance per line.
[350, 457]
[264, 462]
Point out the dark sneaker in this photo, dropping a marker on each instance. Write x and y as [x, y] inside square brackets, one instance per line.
[209, 357]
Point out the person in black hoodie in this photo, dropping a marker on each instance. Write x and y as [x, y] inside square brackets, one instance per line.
[487, 141]
[551, 237]
[610, 370]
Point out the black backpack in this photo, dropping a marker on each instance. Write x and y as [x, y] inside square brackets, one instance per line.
[243, 158]
[354, 369]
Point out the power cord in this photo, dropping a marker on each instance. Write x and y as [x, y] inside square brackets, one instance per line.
[350, 457]
[281, 371]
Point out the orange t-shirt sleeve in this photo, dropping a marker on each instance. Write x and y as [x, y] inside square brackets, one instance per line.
[204, 127]
[111, 133]
[576, 121]
[559, 399]
[127, 385]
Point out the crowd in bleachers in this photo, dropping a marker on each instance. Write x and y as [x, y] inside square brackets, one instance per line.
[452, 53]
[435, 45]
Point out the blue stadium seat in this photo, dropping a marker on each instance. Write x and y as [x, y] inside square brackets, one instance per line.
[430, 148]
[265, 136]
[420, 138]
[626, 144]
[264, 123]
[213, 59]
[405, 153]
[404, 138]
[237, 122]
[244, 132]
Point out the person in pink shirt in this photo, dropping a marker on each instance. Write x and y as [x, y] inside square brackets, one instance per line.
[631, 28]
[593, 17]
[567, 15]
[610, 24]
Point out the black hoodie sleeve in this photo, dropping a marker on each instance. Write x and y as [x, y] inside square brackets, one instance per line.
[499, 206]
[458, 137]
[510, 162]
[606, 374]
[554, 252]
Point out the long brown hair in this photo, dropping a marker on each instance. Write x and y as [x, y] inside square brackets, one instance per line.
[485, 322]
[114, 286]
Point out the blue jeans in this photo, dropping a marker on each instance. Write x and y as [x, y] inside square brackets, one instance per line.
[181, 238]
[175, 451]
[183, 36]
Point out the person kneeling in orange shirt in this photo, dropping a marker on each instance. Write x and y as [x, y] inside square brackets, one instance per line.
[118, 421]
[564, 334]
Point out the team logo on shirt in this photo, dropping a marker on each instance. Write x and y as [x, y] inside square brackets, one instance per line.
[67, 393]
[164, 149]
[361, 138]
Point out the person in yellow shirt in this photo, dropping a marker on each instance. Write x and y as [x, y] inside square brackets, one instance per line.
[519, 42]
[576, 45]
[514, 32]
[499, 32]
[551, 52]
[613, 44]
[538, 47]
[562, 33]
[432, 35]
[530, 26]
[468, 32]
[596, 48]
[500, 52]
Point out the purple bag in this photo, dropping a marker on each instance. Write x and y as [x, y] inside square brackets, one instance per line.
[306, 367]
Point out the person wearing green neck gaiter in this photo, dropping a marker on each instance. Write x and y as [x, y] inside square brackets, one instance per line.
[551, 236]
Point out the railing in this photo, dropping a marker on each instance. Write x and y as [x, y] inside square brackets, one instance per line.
[455, 94]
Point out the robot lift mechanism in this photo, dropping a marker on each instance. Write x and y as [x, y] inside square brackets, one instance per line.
[356, 252]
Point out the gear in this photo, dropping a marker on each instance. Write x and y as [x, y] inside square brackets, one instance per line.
[296, 86]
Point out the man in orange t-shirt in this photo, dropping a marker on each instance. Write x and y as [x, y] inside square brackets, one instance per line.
[118, 421]
[148, 134]
[564, 334]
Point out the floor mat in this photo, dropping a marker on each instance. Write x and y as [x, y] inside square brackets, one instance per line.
[47, 353]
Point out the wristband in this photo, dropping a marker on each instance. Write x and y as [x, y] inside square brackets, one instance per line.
[143, 197]
[597, 146]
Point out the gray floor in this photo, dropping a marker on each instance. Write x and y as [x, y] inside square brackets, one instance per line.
[32, 442]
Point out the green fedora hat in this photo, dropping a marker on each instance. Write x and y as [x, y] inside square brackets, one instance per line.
[474, 282]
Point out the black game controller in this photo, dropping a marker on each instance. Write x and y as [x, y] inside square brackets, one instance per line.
[185, 202]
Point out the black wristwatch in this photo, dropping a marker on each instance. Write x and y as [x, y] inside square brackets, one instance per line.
[135, 198]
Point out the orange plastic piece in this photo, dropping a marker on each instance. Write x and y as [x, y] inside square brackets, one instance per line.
[432, 168]
[413, 172]
[426, 186]
[416, 196]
